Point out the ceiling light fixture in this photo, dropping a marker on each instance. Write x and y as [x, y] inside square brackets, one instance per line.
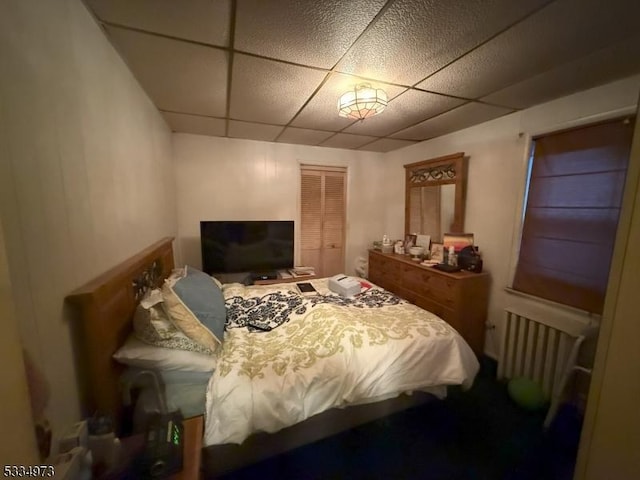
[362, 102]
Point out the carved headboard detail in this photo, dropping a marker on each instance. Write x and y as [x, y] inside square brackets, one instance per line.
[105, 308]
[149, 279]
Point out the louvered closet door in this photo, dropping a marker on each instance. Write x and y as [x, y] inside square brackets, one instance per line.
[311, 219]
[333, 224]
[323, 219]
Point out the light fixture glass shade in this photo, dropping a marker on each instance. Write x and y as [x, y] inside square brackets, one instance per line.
[362, 102]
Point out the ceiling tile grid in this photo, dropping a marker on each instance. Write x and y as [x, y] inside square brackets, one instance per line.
[384, 145]
[465, 116]
[308, 33]
[304, 136]
[619, 60]
[416, 38]
[179, 122]
[178, 76]
[198, 20]
[271, 92]
[346, 140]
[559, 33]
[253, 131]
[274, 70]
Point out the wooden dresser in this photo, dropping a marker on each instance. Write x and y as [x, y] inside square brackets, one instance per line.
[460, 298]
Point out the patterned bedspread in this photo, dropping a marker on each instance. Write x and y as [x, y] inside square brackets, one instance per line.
[287, 357]
[268, 311]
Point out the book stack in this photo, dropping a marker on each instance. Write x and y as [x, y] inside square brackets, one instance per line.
[302, 272]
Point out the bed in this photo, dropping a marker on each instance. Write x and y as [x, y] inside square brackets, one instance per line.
[312, 368]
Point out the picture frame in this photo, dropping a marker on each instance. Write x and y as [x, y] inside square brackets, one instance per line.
[437, 252]
[409, 241]
[423, 241]
[458, 240]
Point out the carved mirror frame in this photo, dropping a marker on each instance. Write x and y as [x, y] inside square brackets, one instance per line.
[449, 169]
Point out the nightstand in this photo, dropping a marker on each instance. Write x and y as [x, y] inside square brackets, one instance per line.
[131, 447]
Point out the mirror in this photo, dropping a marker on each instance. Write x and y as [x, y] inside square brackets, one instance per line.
[434, 197]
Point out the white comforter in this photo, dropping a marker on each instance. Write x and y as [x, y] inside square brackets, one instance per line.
[328, 356]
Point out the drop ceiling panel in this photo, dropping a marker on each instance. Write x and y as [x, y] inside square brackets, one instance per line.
[268, 91]
[409, 108]
[253, 131]
[178, 76]
[322, 109]
[309, 33]
[386, 145]
[457, 119]
[603, 66]
[199, 20]
[346, 140]
[413, 39]
[303, 136]
[179, 122]
[430, 56]
[559, 33]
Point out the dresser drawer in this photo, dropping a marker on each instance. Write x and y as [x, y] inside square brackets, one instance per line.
[387, 268]
[447, 314]
[431, 285]
[375, 262]
[395, 274]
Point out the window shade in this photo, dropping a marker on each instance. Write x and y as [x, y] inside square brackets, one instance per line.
[574, 198]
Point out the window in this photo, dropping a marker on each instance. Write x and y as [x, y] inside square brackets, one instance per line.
[323, 205]
[573, 201]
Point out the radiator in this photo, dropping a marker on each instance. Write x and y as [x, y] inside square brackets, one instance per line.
[538, 346]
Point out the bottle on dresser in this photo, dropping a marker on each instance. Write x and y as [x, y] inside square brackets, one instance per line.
[452, 258]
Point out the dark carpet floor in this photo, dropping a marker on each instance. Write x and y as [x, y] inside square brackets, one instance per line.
[479, 434]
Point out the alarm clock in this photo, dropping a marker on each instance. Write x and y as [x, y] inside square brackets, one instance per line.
[163, 454]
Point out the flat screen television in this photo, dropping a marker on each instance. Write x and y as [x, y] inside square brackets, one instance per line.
[246, 246]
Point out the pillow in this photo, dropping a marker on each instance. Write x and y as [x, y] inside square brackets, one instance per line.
[196, 306]
[139, 354]
[150, 320]
[152, 325]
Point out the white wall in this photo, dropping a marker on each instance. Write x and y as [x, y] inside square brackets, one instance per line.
[232, 179]
[85, 173]
[497, 152]
[19, 448]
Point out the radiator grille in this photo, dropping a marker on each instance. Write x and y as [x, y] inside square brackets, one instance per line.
[534, 350]
[541, 347]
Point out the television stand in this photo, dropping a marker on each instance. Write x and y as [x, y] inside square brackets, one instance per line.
[283, 276]
[267, 275]
[243, 278]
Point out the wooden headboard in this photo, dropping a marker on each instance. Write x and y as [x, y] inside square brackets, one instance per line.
[105, 309]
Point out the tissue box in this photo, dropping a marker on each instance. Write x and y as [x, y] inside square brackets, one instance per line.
[344, 285]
